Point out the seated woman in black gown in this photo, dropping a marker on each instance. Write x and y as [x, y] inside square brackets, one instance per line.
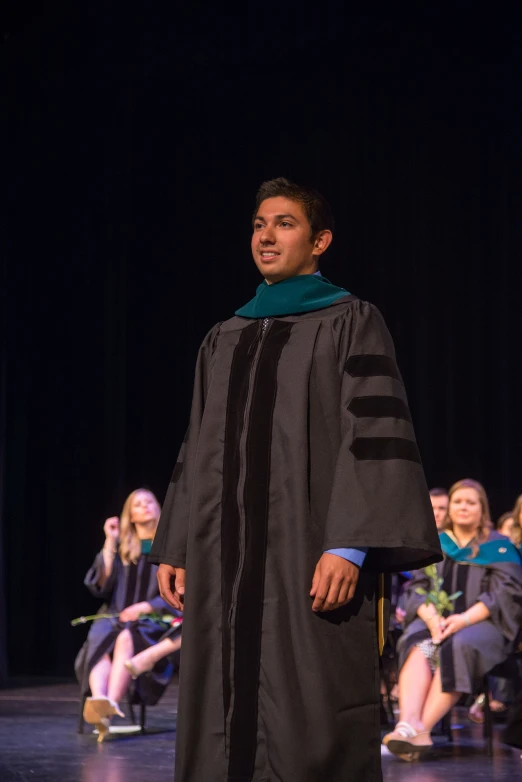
[122, 576]
[442, 658]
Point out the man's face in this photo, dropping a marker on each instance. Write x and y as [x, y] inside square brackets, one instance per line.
[440, 508]
[281, 243]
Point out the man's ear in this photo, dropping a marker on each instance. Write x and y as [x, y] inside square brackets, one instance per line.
[322, 242]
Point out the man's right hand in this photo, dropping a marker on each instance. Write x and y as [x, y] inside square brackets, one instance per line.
[171, 582]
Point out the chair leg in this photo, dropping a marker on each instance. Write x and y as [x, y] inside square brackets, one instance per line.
[81, 723]
[131, 707]
[488, 722]
[389, 704]
[391, 713]
[388, 686]
[449, 732]
[444, 727]
[142, 717]
[383, 714]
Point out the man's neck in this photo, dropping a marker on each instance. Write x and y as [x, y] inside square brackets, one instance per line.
[317, 273]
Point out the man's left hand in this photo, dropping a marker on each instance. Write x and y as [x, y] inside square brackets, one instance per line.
[334, 582]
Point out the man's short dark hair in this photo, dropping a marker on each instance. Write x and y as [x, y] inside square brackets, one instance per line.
[438, 492]
[316, 208]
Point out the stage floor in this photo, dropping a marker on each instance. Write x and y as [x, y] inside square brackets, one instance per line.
[38, 741]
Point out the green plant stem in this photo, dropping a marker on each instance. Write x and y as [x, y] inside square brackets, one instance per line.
[81, 620]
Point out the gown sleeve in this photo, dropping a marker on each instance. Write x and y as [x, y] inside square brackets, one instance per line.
[502, 596]
[93, 576]
[170, 542]
[412, 601]
[379, 496]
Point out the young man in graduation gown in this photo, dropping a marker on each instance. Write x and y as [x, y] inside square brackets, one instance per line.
[298, 484]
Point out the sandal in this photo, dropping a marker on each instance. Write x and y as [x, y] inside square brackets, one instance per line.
[398, 744]
[98, 711]
[131, 669]
[476, 712]
[102, 728]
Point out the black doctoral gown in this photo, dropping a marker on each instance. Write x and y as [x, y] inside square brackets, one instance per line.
[300, 440]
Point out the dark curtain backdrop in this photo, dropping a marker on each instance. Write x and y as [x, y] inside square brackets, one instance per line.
[137, 139]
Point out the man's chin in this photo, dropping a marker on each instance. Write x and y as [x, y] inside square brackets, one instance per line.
[275, 273]
[270, 269]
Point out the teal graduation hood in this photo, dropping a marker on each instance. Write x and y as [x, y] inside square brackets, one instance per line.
[303, 293]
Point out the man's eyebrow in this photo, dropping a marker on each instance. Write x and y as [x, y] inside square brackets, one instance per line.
[277, 217]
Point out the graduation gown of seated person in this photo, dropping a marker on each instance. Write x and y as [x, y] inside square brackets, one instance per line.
[493, 577]
[127, 585]
[300, 441]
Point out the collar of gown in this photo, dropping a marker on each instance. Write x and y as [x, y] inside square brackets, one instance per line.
[303, 293]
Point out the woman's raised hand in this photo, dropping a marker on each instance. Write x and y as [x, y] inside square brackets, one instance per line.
[112, 530]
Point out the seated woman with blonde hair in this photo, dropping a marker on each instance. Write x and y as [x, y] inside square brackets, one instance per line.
[122, 576]
[440, 658]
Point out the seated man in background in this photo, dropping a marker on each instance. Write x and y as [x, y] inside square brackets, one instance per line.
[439, 503]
